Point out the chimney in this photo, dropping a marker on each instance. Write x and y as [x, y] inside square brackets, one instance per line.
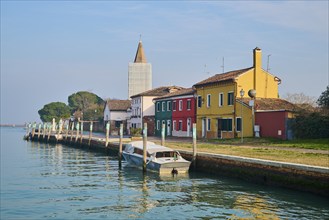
[257, 63]
[258, 58]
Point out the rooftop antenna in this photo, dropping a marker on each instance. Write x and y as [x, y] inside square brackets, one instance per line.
[140, 37]
[222, 65]
[268, 62]
[205, 69]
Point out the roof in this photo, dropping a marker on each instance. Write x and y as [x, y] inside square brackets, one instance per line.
[182, 92]
[140, 55]
[228, 76]
[150, 147]
[160, 91]
[270, 104]
[118, 105]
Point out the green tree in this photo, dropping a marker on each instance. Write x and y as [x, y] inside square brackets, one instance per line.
[323, 100]
[55, 110]
[86, 105]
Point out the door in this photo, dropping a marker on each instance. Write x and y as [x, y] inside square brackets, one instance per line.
[188, 128]
[204, 127]
[219, 128]
[168, 127]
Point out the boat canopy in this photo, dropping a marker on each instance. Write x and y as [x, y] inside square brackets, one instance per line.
[151, 147]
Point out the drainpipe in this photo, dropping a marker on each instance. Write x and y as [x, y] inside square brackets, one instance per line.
[234, 114]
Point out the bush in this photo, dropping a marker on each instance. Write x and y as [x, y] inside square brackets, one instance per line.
[136, 132]
[311, 125]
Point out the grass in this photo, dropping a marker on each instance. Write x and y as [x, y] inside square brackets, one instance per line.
[284, 151]
[314, 144]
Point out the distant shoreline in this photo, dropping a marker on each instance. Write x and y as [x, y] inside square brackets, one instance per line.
[11, 125]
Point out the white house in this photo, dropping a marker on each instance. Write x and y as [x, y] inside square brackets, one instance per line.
[117, 112]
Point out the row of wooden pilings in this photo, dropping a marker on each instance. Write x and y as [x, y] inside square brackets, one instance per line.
[47, 129]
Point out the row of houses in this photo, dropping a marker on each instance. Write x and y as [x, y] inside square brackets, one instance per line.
[219, 105]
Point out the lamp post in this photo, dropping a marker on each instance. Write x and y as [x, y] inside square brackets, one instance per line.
[241, 129]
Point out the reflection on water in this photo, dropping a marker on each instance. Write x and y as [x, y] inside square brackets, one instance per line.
[61, 182]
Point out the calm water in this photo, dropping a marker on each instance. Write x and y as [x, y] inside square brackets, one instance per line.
[41, 181]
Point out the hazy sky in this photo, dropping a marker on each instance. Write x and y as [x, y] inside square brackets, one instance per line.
[52, 49]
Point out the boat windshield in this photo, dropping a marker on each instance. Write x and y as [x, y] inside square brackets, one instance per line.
[166, 154]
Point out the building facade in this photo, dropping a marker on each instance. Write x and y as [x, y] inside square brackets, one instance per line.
[142, 104]
[274, 117]
[219, 115]
[117, 112]
[139, 73]
[176, 111]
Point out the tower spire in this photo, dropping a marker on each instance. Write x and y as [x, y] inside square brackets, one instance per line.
[140, 55]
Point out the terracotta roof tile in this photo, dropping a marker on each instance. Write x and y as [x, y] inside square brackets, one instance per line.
[118, 105]
[160, 91]
[270, 104]
[182, 92]
[223, 77]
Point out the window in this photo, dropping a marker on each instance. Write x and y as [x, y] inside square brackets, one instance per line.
[158, 106]
[220, 99]
[208, 100]
[188, 104]
[158, 125]
[163, 106]
[199, 101]
[208, 124]
[163, 123]
[230, 98]
[174, 105]
[180, 125]
[227, 124]
[169, 106]
[180, 105]
[174, 126]
[238, 124]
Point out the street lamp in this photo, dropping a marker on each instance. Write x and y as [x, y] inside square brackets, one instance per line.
[241, 127]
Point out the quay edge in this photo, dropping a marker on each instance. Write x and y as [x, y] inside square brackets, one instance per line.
[272, 173]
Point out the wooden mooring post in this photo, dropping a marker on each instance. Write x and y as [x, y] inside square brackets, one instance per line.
[72, 131]
[81, 132]
[28, 126]
[194, 145]
[90, 132]
[66, 131]
[144, 146]
[107, 133]
[39, 131]
[33, 129]
[44, 131]
[120, 144]
[163, 134]
[77, 134]
[49, 131]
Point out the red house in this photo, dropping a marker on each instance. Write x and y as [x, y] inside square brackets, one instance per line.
[273, 118]
[183, 113]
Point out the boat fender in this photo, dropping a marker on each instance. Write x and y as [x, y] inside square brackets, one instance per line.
[174, 171]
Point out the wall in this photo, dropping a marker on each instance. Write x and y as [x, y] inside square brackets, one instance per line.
[148, 106]
[215, 111]
[183, 116]
[271, 122]
[139, 78]
[162, 116]
[266, 85]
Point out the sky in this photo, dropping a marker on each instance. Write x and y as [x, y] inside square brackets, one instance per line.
[52, 49]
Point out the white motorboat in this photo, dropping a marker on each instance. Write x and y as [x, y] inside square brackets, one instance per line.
[159, 158]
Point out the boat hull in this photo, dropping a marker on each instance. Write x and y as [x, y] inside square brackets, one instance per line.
[162, 168]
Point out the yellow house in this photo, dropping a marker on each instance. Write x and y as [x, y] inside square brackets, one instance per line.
[219, 113]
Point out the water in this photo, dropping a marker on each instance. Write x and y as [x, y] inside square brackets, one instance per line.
[41, 181]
